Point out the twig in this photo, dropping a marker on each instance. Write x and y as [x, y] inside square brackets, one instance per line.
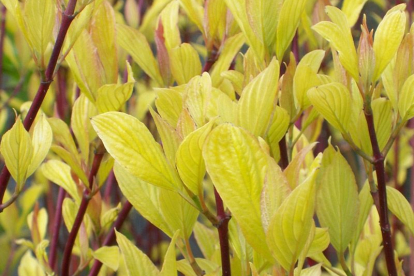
[223, 231]
[2, 37]
[56, 229]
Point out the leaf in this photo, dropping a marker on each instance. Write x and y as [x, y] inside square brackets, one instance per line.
[292, 172]
[406, 101]
[197, 97]
[41, 142]
[333, 101]
[215, 19]
[63, 137]
[320, 241]
[169, 105]
[289, 229]
[401, 208]
[352, 10]
[143, 196]
[112, 97]
[169, 266]
[365, 204]
[237, 165]
[259, 94]
[383, 118]
[337, 201]
[169, 18]
[189, 160]
[307, 69]
[206, 239]
[59, 173]
[194, 11]
[387, 39]
[39, 17]
[144, 157]
[287, 25]
[185, 63]
[137, 263]
[108, 255]
[17, 150]
[102, 30]
[339, 35]
[136, 44]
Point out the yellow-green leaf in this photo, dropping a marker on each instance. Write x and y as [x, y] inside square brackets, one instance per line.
[333, 101]
[338, 201]
[237, 165]
[277, 129]
[292, 172]
[41, 142]
[401, 208]
[289, 229]
[287, 25]
[189, 160]
[339, 35]
[169, 267]
[169, 105]
[352, 9]
[108, 255]
[206, 239]
[387, 39]
[143, 196]
[169, 18]
[60, 174]
[137, 263]
[137, 46]
[185, 63]
[259, 94]
[17, 150]
[133, 147]
[406, 101]
[383, 118]
[197, 97]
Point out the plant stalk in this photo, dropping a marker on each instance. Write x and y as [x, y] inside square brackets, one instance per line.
[2, 37]
[67, 18]
[284, 159]
[67, 254]
[110, 238]
[56, 229]
[223, 231]
[382, 194]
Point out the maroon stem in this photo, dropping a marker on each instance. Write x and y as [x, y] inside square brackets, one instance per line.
[67, 18]
[382, 195]
[67, 254]
[284, 159]
[110, 238]
[211, 59]
[2, 37]
[56, 229]
[411, 258]
[223, 231]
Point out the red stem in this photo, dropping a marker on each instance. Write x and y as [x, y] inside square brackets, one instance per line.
[2, 37]
[110, 238]
[382, 195]
[284, 159]
[67, 254]
[67, 18]
[223, 231]
[56, 229]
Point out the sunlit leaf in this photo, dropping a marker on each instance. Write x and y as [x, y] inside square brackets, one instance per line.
[41, 142]
[108, 255]
[169, 266]
[185, 63]
[401, 208]
[406, 101]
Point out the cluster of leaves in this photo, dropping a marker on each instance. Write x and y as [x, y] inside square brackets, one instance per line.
[194, 107]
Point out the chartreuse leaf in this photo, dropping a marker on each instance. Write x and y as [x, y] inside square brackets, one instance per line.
[137, 263]
[194, 11]
[169, 104]
[338, 201]
[169, 18]
[41, 142]
[292, 172]
[108, 255]
[82, 111]
[206, 239]
[231, 47]
[63, 137]
[71, 160]
[352, 9]
[275, 190]
[112, 97]
[387, 39]
[39, 16]
[189, 160]
[197, 97]
[17, 150]
[103, 35]
[144, 157]
[29, 265]
[406, 101]
[137, 46]
[60, 174]
[237, 165]
[215, 26]
[169, 266]
[289, 229]
[185, 63]
[259, 94]
[277, 129]
[401, 208]
[339, 35]
[307, 69]
[333, 101]
[320, 241]
[382, 110]
[143, 196]
[287, 25]
[239, 11]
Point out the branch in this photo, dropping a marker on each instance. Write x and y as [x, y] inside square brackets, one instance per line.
[56, 228]
[223, 231]
[382, 194]
[67, 18]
